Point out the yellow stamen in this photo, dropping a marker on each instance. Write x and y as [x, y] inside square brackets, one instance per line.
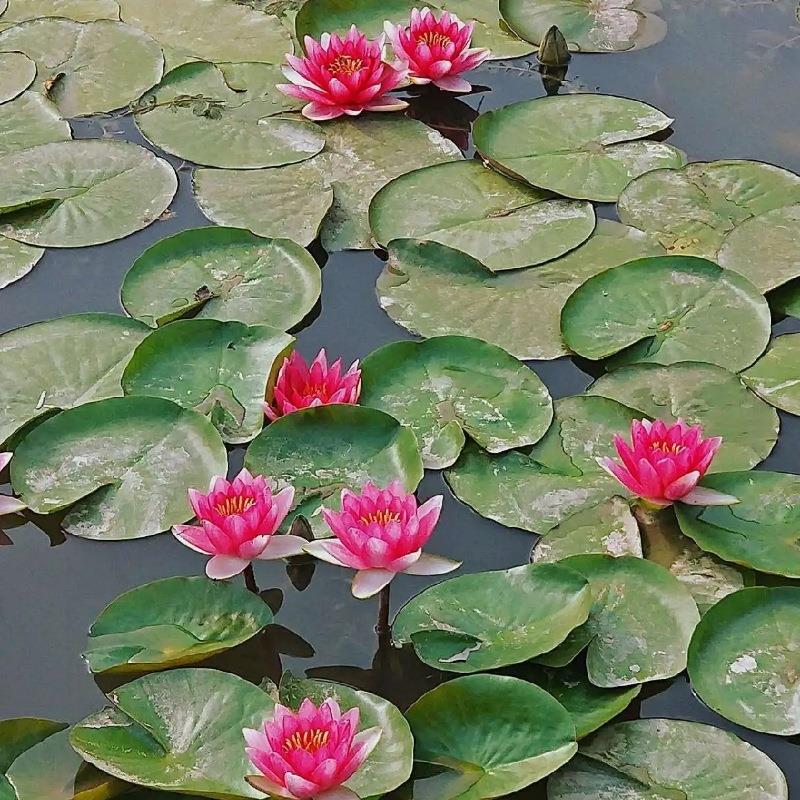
[310, 741]
[235, 505]
[383, 517]
[667, 449]
[345, 65]
[432, 38]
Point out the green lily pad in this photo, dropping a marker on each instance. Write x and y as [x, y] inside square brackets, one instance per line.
[492, 619]
[79, 10]
[18, 736]
[171, 622]
[322, 450]
[648, 758]
[17, 73]
[113, 188]
[608, 528]
[214, 30]
[744, 661]
[179, 730]
[668, 309]
[435, 290]
[760, 531]
[502, 223]
[639, 626]
[124, 464]
[775, 377]
[588, 27]
[511, 731]
[220, 369]
[234, 125]
[87, 67]
[224, 274]
[450, 386]
[700, 394]
[360, 156]
[319, 16]
[16, 260]
[29, 120]
[68, 361]
[587, 146]
[390, 762]
[693, 209]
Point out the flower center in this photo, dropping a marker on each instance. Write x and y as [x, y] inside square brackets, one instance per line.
[667, 449]
[235, 505]
[433, 38]
[345, 65]
[310, 741]
[383, 517]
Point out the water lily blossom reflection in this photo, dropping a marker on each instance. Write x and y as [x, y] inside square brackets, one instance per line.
[302, 386]
[664, 463]
[8, 505]
[342, 76]
[237, 523]
[380, 533]
[309, 753]
[436, 50]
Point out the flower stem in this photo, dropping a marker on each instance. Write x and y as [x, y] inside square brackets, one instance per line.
[250, 579]
[382, 627]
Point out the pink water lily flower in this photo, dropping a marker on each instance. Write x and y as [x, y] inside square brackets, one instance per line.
[381, 532]
[238, 520]
[342, 76]
[664, 463]
[8, 505]
[302, 386]
[436, 50]
[310, 752]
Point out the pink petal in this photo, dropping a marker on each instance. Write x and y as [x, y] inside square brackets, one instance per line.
[368, 582]
[4, 459]
[702, 496]
[387, 104]
[319, 113]
[682, 486]
[194, 537]
[323, 551]
[283, 546]
[267, 786]
[338, 793]
[453, 83]
[299, 786]
[10, 505]
[222, 567]
[429, 564]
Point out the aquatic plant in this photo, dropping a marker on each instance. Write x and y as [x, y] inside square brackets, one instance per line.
[8, 505]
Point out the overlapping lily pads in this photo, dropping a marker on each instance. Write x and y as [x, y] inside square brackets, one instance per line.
[647, 758]
[80, 10]
[124, 465]
[336, 186]
[220, 369]
[700, 394]
[775, 377]
[502, 223]
[17, 73]
[87, 67]
[18, 736]
[668, 309]
[113, 188]
[179, 730]
[609, 26]
[492, 619]
[450, 386]
[234, 125]
[587, 146]
[30, 120]
[322, 450]
[744, 660]
[693, 209]
[68, 361]
[506, 732]
[171, 622]
[225, 274]
[16, 260]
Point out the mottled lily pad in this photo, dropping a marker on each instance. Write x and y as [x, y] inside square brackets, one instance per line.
[79, 10]
[179, 730]
[645, 759]
[508, 731]
[113, 188]
[693, 209]
[68, 361]
[434, 290]
[220, 369]
[665, 310]
[234, 125]
[225, 274]
[87, 67]
[744, 660]
[760, 531]
[360, 156]
[465, 205]
[587, 146]
[30, 120]
[700, 394]
[171, 622]
[492, 619]
[639, 626]
[124, 464]
[451, 386]
[16, 260]
[607, 26]
[775, 377]
[17, 73]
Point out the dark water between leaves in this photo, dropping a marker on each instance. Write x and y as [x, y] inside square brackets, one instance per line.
[727, 72]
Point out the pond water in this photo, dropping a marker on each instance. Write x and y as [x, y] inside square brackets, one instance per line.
[727, 72]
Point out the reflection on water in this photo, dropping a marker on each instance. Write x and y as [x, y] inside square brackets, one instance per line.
[727, 72]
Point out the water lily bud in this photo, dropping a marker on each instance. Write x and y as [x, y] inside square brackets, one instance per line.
[553, 50]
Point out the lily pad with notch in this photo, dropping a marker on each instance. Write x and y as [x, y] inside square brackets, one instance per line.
[16, 260]
[30, 120]
[17, 73]
[775, 377]
[17, 11]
